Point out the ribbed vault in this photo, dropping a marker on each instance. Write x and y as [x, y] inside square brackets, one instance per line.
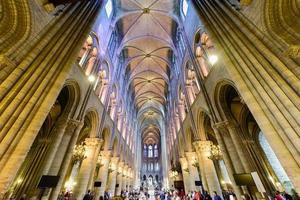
[147, 28]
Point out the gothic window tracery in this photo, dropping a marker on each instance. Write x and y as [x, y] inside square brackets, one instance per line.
[150, 151]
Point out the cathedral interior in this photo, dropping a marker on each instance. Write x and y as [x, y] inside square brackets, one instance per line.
[122, 95]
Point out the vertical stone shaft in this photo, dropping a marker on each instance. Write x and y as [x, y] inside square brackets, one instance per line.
[86, 169]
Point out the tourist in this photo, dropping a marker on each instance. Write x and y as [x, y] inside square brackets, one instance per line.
[207, 196]
[61, 196]
[197, 195]
[287, 196]
[24, 197]
[106, 195]
[216, 196]
[175, 196]
[278, 196]
[88, 196]
[181, 194]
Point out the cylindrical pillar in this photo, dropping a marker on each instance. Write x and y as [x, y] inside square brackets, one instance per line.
[185, 174]
[194, 175]
[203, 150]
[112, 175]
[92, 147]
[103, 172]
[119, 179]
[73, 128]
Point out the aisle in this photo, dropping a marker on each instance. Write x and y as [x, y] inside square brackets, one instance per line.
[151, 193]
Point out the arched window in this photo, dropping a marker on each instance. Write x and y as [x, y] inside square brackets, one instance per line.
[108, 8]
[145, 150]
[150, 151]
[185, 7]
[155, 151]
[274, 162]
[157, 167]
[205, 52]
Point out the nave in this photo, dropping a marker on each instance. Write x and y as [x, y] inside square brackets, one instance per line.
[149, 99]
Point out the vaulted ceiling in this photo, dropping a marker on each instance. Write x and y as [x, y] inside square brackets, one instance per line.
[147, 29]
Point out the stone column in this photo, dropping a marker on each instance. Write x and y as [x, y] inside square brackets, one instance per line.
[194, 174]
[210, 174]
[226, 144]
[62, 148]
[225, 152]
[124, 182]
[130, 179]
[190, 92]
[92, 147]
[185, 174]
[103, 172]
[119, 179]
[235, 135]
[72, 132]
[271, 96]
[62, 124]
[112, 176]
[25, 102]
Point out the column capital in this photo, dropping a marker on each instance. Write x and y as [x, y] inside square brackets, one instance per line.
[202, 146]
[221, 125]
[105, 154]
[225, 124]
[191, 154]
[120, 167]
[92, 141]
[114, 160]
[72, 124]
[183, 161]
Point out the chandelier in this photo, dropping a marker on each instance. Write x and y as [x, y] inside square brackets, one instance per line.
[174, 173]
[215, 152]
[79, 153]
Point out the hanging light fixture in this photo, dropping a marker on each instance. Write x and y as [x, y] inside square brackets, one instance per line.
[215, 152]
[79, 153]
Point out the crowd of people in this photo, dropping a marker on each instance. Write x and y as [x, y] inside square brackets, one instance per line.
[169, 195]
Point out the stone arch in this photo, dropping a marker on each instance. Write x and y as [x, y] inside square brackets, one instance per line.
[189, 139]
[181, 145]
[106, 135]
[203, 47]
[201, 117]
[74, 96]
[103, 80]
[114, 146]
[15, 25]
[221, 93]
[242, 125]
[89, 129]
[53, 126]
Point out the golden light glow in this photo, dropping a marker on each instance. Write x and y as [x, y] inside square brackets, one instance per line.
[91, 78]
[213, 59]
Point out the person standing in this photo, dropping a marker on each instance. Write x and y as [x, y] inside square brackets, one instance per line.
[197, 195]
[207, 196]
[106, 195]
[216, 196]
[278, 196]
[87, 196]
